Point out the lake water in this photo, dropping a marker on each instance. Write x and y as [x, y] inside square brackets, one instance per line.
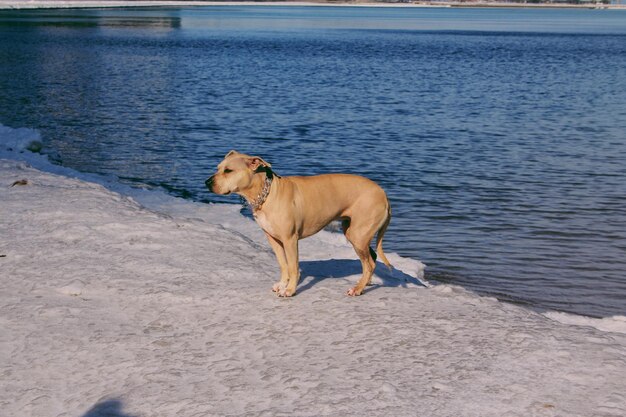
[499, 135]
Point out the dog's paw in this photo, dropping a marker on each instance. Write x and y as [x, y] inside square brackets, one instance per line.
[286, 292]
[278, 287]
[352, 292]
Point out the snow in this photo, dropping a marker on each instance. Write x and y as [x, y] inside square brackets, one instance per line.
[19, 140]
[608, 324]
[146, 305]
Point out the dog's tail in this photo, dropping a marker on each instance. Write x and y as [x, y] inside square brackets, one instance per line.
[379, 238]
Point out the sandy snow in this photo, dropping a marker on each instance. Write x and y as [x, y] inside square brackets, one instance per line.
[110, 308]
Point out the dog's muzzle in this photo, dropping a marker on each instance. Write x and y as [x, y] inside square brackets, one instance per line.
[209, 183]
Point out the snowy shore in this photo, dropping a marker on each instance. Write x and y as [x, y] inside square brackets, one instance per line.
[164, 308]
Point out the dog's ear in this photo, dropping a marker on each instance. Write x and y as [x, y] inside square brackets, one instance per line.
[255, 162]
[233, 152]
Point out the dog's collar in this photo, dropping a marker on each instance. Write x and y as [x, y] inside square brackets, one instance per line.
[260, 199]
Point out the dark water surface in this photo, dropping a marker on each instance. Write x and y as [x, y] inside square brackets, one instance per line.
[499, 135]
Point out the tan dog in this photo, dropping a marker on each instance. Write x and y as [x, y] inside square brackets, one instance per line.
[291, 208]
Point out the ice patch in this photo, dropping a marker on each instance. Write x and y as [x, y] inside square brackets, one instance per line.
[25, 145]
[19, 140]
[615, 324]
[73, 288]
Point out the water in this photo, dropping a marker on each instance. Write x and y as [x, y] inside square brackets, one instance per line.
[499, 135]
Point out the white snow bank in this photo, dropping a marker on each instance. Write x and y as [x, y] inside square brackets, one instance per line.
[25, 145]
[615, 324]
[19, 140]
[110, 308]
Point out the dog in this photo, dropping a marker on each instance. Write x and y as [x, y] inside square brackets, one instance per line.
[291, 208]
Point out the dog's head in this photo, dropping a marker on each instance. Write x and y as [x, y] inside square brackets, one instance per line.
[235, 173]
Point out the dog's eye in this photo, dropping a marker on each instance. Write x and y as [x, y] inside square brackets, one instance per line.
[227, 171]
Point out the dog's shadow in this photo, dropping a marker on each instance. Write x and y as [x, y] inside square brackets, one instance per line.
[313, 272]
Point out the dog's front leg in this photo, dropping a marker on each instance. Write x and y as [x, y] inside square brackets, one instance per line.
[279, 251]
[293, 268]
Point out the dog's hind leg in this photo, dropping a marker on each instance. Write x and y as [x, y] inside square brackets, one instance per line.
[368, 271]
[379, 239]
[360, 235]
[345, 225]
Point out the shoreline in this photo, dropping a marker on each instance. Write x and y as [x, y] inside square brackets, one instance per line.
[158, 306]
[70, 4]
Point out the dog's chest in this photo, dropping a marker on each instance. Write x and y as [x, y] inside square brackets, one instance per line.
[264, 222]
